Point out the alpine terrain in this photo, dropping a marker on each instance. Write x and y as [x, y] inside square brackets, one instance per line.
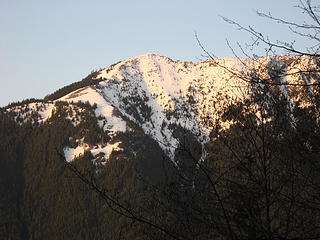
[158, 138]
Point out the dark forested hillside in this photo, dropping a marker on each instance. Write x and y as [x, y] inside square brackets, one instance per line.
[12, 137]
[42, 199]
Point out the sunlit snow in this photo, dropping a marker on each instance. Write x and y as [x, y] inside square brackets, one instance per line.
[90, 94]
[72, 153]
[157, 94]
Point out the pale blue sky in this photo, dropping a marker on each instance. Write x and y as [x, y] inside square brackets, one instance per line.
[46, 44]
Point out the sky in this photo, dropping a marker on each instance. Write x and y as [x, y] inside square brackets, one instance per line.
[45, 44]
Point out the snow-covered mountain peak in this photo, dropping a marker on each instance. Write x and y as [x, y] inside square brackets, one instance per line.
[160, 95]
[174, 77]
[156, 93]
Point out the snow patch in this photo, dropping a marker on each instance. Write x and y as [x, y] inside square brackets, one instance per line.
[72, 153]
[106, 150]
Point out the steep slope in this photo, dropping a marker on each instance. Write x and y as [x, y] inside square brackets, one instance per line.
[161, 95]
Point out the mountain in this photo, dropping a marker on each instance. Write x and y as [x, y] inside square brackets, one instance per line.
[131, 121]
[159, 95]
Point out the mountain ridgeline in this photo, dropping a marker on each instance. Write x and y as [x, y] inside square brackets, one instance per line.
[220, 149]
